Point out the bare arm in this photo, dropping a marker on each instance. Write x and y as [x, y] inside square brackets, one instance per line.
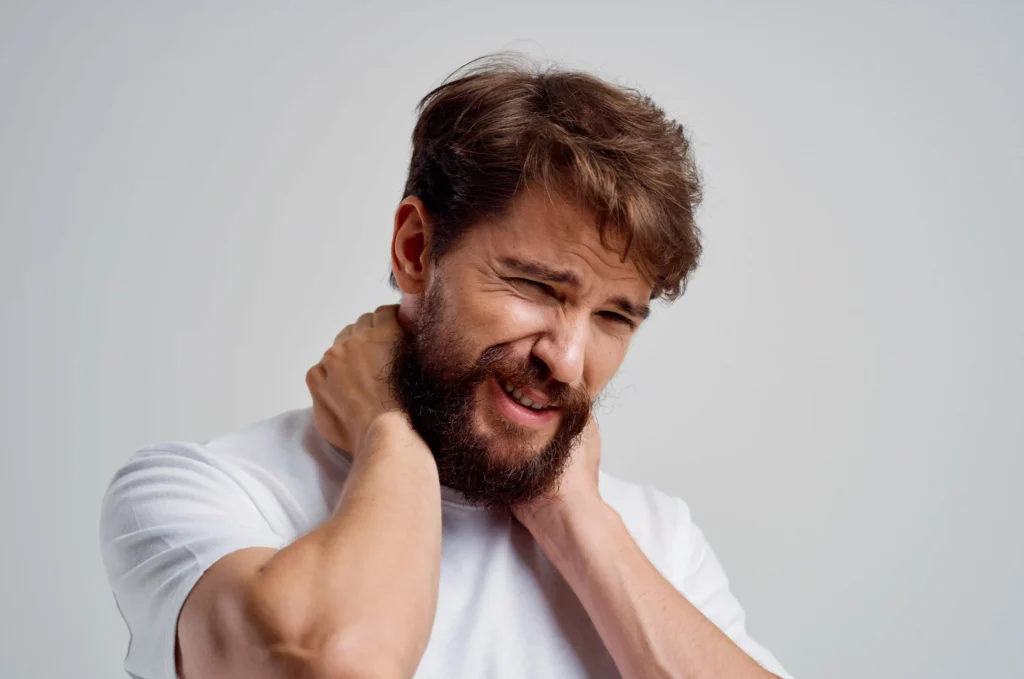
[353, 598]
[647, 625]
[649, 628]
[356, 596]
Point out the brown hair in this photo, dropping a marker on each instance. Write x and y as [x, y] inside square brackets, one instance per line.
[501, 123]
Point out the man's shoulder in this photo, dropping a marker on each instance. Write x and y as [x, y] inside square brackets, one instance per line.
[655, 518]
[633, 497]
[281, 434]
[278, 467]
[283, 449]
[274, 437]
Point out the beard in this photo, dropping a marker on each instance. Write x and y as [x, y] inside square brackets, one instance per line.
[436, 380]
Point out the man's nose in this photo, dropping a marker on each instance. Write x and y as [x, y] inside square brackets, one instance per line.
[563, 347]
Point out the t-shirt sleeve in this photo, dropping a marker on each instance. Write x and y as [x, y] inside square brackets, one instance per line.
[167, 516]
[698, 574]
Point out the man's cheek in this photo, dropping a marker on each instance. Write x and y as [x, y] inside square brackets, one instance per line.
[511, 320]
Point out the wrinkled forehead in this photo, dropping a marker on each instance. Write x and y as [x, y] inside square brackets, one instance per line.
[544, 227]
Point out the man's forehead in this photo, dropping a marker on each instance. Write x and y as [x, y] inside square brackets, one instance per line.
[558, 216]
[545, 228]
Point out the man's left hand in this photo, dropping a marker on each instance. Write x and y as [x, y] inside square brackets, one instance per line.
[576, 487]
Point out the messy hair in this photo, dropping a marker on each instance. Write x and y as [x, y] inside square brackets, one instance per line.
[502, 123]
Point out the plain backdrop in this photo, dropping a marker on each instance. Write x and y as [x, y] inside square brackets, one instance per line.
[195, 197]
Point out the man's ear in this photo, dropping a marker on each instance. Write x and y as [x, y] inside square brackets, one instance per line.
[410, 245]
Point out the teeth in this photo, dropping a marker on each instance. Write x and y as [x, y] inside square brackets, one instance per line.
[517, 394]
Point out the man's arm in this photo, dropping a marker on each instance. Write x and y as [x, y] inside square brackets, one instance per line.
[353, 598]
[356, 596]
[649, 628]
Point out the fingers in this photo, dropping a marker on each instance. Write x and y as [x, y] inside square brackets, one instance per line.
[315, 377]
[385, 315]
[344, 334]
[365, 321]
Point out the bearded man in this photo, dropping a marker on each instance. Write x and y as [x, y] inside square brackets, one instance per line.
[439, 511]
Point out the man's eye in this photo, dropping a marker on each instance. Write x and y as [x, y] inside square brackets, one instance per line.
[617, 318]
[535, 285]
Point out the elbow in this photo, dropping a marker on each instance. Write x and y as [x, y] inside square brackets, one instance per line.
[347, 657]
[351, 658]
[301, 645]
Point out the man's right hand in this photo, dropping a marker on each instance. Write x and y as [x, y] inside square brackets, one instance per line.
[349, 385]
[355, 596]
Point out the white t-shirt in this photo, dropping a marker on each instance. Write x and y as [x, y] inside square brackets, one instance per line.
[503, 610]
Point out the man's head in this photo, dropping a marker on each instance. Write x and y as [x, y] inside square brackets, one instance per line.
[543, 211]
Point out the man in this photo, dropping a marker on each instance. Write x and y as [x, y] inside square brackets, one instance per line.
[439, 511]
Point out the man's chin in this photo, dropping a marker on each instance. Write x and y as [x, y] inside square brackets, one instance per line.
[499, 469]
[509, 444]
[505, 455]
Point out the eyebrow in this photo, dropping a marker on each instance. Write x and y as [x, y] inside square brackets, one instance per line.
[541, 271]
[628, 307]
[547, 274]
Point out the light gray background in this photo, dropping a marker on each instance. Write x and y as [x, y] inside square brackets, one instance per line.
[195, 197]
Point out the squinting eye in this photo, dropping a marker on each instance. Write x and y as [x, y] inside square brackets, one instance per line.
[617, 318]
[534, 284]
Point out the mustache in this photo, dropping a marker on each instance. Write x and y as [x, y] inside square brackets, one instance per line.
[503, 364]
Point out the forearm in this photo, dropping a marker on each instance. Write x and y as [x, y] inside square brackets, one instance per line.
[362, 587]
[649, 628]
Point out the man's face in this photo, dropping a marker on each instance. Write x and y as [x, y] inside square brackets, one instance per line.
[522, 324]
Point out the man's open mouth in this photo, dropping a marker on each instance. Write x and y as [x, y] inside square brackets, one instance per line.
[517, 395]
